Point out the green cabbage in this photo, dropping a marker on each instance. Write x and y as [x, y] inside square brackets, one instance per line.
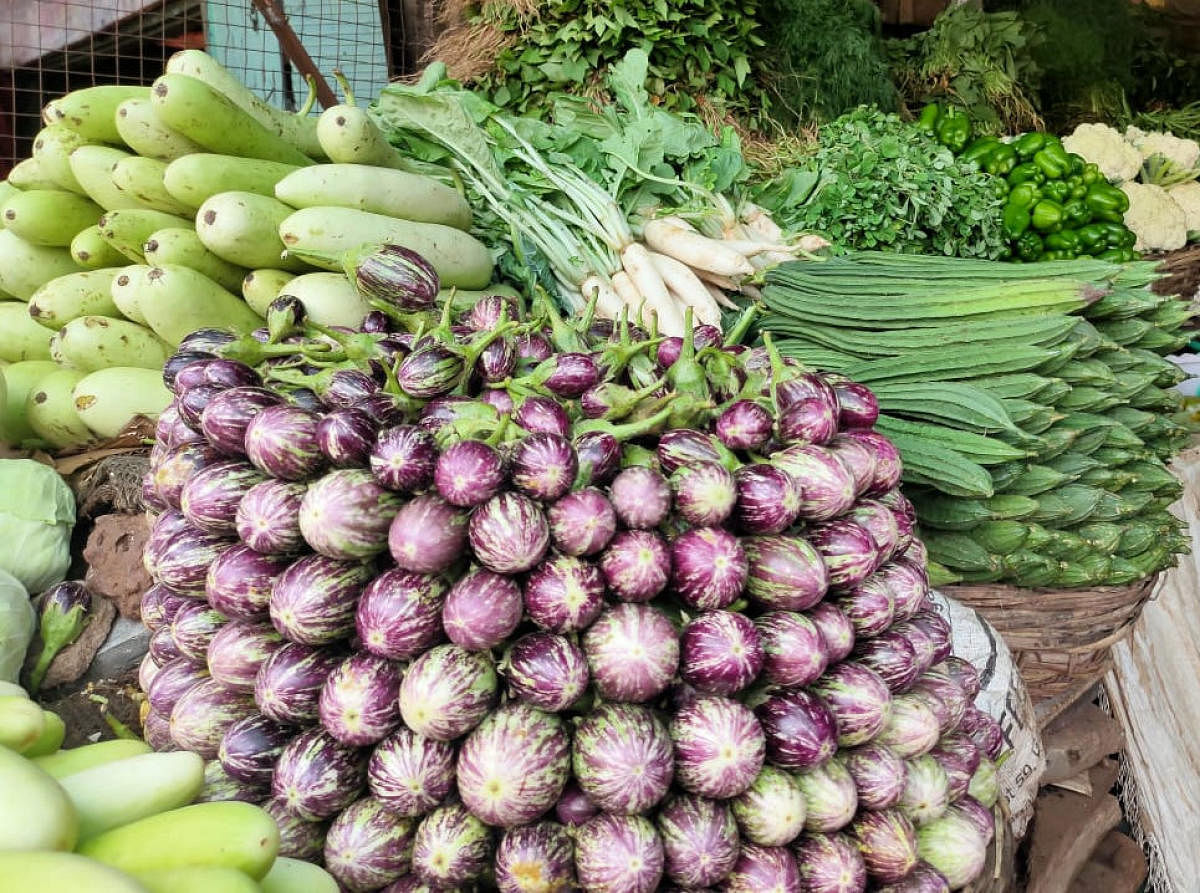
[16, 626]
[37, 515]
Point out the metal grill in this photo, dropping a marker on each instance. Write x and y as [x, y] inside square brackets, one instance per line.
[50, 47]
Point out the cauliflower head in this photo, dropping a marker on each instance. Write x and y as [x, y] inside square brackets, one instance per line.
[1157, 220]
[1104, 147]
[1187, 196]
[1180, 152]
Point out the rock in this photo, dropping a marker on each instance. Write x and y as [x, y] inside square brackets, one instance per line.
[1066, 829]
[1118, 865]
[1077, 740]
[114, 556]
[72, 662]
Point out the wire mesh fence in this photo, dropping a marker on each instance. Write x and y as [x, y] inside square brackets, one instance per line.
[50, 47]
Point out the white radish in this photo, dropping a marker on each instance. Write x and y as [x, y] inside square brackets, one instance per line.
[722, 282]
[720, 297]
[758, 223]
[695, 250]
[686, 285]
[812, 243]
[636, 260]
[630, 296]
[608, 303]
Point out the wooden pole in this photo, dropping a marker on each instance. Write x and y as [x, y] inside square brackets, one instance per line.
[294, 49]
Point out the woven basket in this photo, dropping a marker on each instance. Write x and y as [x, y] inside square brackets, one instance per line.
[1060, 638]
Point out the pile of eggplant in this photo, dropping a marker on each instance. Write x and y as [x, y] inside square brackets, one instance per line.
[476, 598]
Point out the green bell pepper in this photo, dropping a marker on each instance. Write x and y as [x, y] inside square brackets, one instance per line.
[1047, 216]
[1026, 173]
[1102, 198]
[1016, 219]
[1023, 195]
[953, 131]
[1118, 255]
[1028, 144]
[999, 188]
[1058, 190]
[1029, 246]
[1067, 240]
[1001, 161]
[1052, 160]
[1058, 254]
[927, 121]
[1116, 235]
[1091, 174]
[1076, 214]
[980, 150]
[1078, 163]
[1092, 237]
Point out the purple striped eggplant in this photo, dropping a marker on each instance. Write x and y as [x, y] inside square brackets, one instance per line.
[891, 657]
[543, 466]
[685, 446]
[346, 437]
[481, 610]
[178, 467]
[486, 313]
[298, 838]
[984, 731]
[582, 523]
[705, 493]
[721, 653]
[182, 563]
[513, 766]
[228, 414]
[239, 582]
[784, 573]
[509, 533]
[313, 602]
[220, 786]
[430, 371]
[191, 403]
[251, 746]
[709, 568]
[847, 550]
[358, 703]
[808, 420]
[564, 594]
[539, 415]
[912, 728]
[641, 497]
[926, 791]
[954, 847]
[830, 796]
[411, 774]
[939, 685]
[574, 807]
[237, 651]
[156, 730]
[837, 632]
[162, 648]
[536, 857]
[368, 846]
[830, 863]
[870, 607]
[963, 673]
[619, 854]
[937, 628]
[794, 651]
[636, 565]
[452, 848]
[744, 425]
[396, 276]
[794, 386]
[800, 730]
[399, 614]
[172, 431]
[979, 815]
[447, 691]
[497, 361]
[441, 412]
[632, 653]
[282, 441]
[171, 681]
[858, 699]
[922, 644]
[959, 756]
[203, 713]
[768, 499]
[288, 685]
[468, 473]
[719, 747]
[147, 670]
[880, 522]
[498, 398]
[317, 777]
[268, 517]
[212, 371]
[346, 515]
[909, 587]
[878, 774]
[622, 758]
[888, 844]
[859, 461]
[427, 535]
[760, 868]
[771, 811]
[403, 458]
[599, 455]
[887, 460]
[700, 840]
[567, 375]
[209, 499]
[828, 489]
[166, 527]
[924, 878]
[194, 627]
[857, 406]
[546, 670]
[159, 606]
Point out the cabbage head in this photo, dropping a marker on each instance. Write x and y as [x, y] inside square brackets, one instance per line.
[37, 515]
[16, 626]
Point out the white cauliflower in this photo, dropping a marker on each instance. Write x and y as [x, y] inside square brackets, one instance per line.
[1180, 152]
[1107, 149]
[1159, 223]
[1187, 196]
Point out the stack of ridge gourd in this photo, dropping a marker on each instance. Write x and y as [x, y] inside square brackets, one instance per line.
[1031, 404]
[146, 213]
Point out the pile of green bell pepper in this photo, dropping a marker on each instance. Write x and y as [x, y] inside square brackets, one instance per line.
[1057, 206]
